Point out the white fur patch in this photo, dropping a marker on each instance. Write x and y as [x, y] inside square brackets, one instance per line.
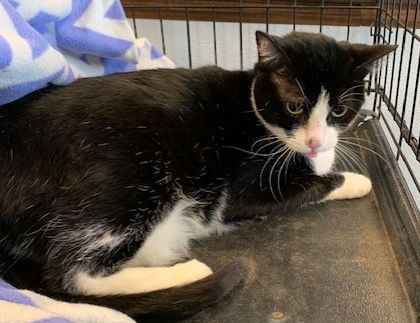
[323, 163]
[170, 240]
[318, 117]
[92, 239]
[106, 240]
[354, 186]
[141, 280]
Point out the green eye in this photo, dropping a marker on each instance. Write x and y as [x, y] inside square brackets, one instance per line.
[294, 108]
[339, 111]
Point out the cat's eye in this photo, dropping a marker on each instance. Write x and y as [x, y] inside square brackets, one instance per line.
[339, 111]
[294, 108]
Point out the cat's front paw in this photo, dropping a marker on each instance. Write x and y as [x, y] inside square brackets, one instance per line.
[354, 186]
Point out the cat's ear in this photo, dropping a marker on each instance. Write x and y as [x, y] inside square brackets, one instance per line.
[267, 48]
[270, 51]
[364, 56]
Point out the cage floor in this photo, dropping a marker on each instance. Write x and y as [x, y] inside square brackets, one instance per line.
[331, 262]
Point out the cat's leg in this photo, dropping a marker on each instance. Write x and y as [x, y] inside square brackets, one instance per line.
[145, 270]
[354, 186]
[100, 266]
[298, 191]
[314, 189]
[140, 279]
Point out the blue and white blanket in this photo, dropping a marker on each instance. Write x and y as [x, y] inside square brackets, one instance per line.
[57, 41]
[18, 306]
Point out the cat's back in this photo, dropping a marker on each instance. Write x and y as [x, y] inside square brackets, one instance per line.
[123, 100]
[162, 88]
[118, 109]
[118, 96]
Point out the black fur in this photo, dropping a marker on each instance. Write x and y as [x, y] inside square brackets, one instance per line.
[111, 153]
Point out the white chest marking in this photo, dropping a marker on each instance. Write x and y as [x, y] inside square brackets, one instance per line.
[323, 163]
[170, 240]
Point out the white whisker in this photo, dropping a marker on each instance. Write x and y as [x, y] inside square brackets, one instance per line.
[266, 163]
[262, 140]
[368, 149]
[353, 87]
[349, 95]
[352, 157]
[267, 145]
[348, 107]
[346, 163]
[270, 181]
[247, 151]
[349, 100]
[301, 90]
[289, 151]
[361, 139]
[340, 160]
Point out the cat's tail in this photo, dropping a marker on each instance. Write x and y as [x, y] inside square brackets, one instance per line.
[174, 302]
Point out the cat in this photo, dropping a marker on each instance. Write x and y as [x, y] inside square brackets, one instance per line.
[105, 182]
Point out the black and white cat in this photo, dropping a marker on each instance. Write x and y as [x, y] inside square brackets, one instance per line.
[104, 183]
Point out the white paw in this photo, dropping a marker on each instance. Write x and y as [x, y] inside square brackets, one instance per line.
[193, 270]
[354, 186]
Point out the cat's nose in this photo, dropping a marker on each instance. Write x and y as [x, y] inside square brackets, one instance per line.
[314, 143]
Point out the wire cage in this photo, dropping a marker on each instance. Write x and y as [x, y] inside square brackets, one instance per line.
[200, 32]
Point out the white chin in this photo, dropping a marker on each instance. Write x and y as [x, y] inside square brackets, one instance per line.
[323, 162]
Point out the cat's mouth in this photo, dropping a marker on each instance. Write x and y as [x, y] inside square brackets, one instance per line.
[306, 151]
[312, 154]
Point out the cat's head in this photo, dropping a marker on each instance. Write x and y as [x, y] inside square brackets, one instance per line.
[308, 87]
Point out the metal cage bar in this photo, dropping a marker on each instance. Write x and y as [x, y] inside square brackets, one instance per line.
[187, 19]
[267, 17]
[382, 37]
[162, 32]
[376, 40]
[410, 60]
[214, 33]
[244, 6]
[349, 20]
[241, 45]
[134, 20]
[389, 42]
[321, 15]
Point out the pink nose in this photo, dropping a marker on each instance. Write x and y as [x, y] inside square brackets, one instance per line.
[314, 143]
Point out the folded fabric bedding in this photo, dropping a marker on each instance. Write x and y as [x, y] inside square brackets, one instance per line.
[26, 306]
[46, 41]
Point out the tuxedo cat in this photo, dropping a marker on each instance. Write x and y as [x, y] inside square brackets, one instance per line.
[105, 182]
